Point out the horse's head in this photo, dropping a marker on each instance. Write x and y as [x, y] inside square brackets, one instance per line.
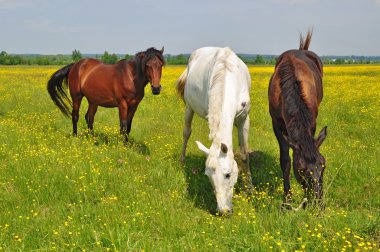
[222, 170]
[152, 62]
[310, 173]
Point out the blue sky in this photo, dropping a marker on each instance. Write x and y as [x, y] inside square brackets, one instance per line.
[341, 27]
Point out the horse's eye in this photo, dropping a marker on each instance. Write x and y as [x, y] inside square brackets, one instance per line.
[228, 175]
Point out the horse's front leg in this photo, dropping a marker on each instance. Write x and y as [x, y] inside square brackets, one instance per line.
[243, 132]
[123, 113]
[131, 113]
[284, 160]
[186, 131]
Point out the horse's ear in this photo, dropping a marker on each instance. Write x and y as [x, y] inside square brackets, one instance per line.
[224, 148]
[321, 137]
[203, 148]
[141, 55]
[162, 50]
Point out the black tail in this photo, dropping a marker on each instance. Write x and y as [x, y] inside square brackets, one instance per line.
[56, 89]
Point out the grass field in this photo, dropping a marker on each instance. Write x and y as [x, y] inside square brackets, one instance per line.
[92, 193]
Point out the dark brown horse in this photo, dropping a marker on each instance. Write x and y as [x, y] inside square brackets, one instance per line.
[295, 92]
[119, 85]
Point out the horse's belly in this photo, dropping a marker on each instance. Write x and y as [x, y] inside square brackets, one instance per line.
[103, 99]
[198, 109]
[196, 99]
[108, 105]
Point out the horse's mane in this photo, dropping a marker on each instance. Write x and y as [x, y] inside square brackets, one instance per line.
[143, 57]
[304, 43]
[297, 114]
[216, 96]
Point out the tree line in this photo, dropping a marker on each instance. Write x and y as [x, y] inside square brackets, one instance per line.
[60, 59]
[180, 59]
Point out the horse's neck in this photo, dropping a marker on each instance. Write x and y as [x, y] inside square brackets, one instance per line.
[139, 79]
[223, 106]
[300, 133]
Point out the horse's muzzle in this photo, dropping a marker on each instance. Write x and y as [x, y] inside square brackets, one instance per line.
[156, 90]
[224, 212]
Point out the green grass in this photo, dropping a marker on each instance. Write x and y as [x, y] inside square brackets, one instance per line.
[92, 193]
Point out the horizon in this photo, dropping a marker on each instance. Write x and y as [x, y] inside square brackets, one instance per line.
[123, 54]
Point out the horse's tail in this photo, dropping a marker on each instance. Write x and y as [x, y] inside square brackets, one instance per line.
[58, 81]
[304, 43]
[181, 84]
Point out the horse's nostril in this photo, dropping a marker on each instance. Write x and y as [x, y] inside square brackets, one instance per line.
[228, 175]
[156, 90]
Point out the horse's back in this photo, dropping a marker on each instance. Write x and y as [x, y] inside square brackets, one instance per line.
[307, 69]
[198, 79]
[204, 65]
[200, 66]
[305, 61]
[83, 66]
[96, 81]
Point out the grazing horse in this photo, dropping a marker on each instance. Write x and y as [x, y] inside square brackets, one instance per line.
[295, 92]
[118, 85]
[216, 86]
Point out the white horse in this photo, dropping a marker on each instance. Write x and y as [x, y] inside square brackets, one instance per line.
[216, 86]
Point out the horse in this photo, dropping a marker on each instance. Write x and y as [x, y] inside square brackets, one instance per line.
[115, 85]
[295, 93]
[215, 85]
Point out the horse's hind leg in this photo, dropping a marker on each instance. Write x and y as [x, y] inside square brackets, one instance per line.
[77, 99]
[284, 159]
[186, 131]
[90, 115]
[243, 132]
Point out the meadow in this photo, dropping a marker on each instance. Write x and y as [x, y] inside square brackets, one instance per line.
[93, 193]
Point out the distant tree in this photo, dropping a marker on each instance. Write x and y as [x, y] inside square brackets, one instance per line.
[43, 60]
[128, 57]
[181, 59]
[177, 59]
[109, 58]
[15, 60]
[272, 61]
[259, 60]
[76, 55]
[339, 61]
[3, 57]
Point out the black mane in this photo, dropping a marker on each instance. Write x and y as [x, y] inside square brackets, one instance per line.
[143, 57]
[297, 114]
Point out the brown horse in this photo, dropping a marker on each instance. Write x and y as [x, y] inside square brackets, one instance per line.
[119, 85]
[295, 92]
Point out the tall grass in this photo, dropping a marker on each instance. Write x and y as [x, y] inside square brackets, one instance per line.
[92, 193]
